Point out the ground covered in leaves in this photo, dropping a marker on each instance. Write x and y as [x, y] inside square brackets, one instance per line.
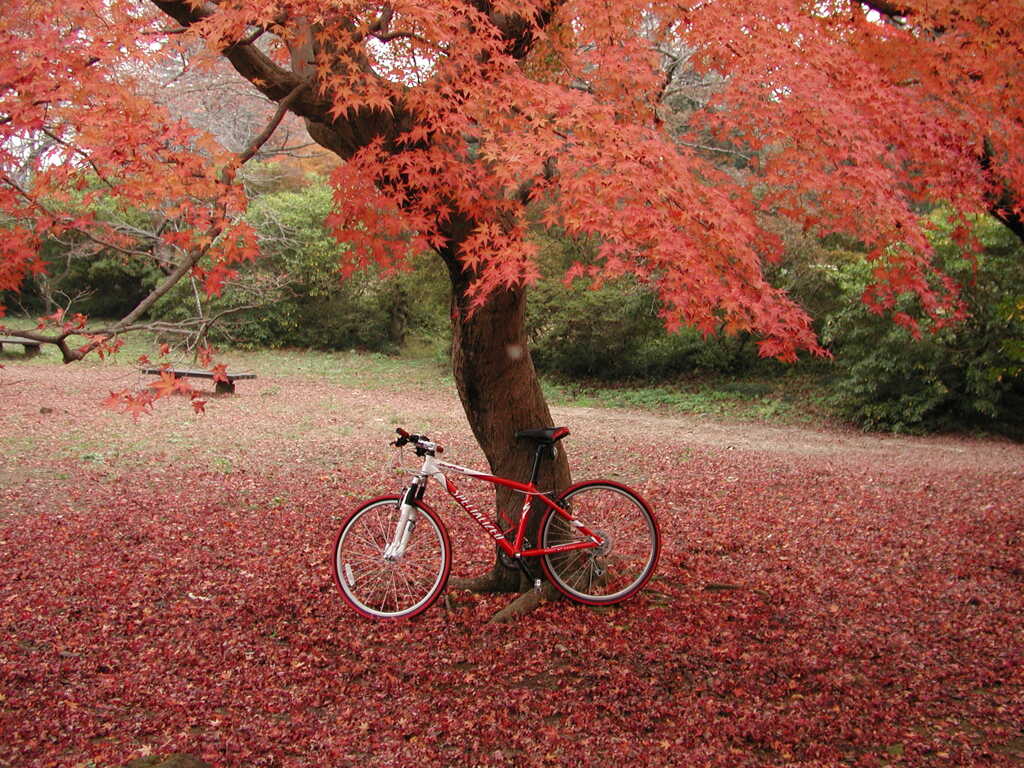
[823, 598]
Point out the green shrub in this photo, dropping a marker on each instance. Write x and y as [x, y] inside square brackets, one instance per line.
[969, 374]
[297, 294]
[81, 277]
[616, 332]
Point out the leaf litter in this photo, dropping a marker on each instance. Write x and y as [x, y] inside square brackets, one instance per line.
[824, 598]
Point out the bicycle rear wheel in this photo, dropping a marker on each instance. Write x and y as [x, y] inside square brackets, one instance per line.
[391, 588]
[618, 568]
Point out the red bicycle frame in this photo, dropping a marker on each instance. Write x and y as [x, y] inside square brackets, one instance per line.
[433, 468]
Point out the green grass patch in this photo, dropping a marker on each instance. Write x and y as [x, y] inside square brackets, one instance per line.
[369, 370]
[784, 399]
[793, 397]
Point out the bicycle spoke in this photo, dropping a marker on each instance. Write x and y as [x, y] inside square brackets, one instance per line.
[617, 568]
[390, 587]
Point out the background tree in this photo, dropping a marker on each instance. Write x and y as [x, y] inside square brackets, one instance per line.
[457, 118]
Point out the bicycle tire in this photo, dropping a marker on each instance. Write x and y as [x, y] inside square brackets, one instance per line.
[617, 570]
[381, 589]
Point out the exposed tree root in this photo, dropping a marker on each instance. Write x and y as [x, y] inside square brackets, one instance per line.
[525, 603]
[489, 582]
[501, 580]
[172, 761]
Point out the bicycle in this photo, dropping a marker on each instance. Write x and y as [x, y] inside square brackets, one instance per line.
[598, 542]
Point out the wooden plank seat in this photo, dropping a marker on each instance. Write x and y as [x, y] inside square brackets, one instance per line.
[198, 373]
[31, 347]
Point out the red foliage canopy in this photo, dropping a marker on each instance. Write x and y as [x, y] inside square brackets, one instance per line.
[459, 118]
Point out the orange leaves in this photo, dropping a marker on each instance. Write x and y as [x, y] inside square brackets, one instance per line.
[169, 384]
[206, 353]
[101, 344]
[60, 320]
[136, 404]
[370, 219]
[19, 257]
[457, 118]
[79, 121]
[220, 373]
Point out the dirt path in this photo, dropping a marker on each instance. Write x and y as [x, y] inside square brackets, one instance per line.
[936, 451]
[40, 400]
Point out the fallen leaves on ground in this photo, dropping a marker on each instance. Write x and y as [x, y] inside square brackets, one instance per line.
[165, 586]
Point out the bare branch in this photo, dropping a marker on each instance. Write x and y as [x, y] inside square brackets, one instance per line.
[282, 109]
[709, 148]
[387, 37]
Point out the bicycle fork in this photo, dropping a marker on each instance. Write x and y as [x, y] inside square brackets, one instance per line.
[404, 527]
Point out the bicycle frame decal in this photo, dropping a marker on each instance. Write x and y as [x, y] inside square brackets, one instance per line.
[433, 468]
[475, 513]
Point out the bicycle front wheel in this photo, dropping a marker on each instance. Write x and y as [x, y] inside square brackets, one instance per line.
[618, 568]
[380, 584]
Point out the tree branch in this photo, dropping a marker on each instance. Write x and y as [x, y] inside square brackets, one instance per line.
[81, 153]
[340, 130]
[885, 8]
[252, 37]
[273, 81]
[282, 109]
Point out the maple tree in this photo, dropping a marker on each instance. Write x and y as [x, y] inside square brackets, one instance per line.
[460, 121]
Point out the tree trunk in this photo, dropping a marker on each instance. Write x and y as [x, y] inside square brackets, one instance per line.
[501, 393]
[1001, 201]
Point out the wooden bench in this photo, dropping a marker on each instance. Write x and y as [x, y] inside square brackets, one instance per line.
[31, 347]
[197, 373]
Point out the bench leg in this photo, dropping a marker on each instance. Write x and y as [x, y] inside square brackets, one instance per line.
[225, 387]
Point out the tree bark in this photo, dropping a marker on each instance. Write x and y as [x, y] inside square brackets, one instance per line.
[1009, 219]
[501, 394]
[1001, 201]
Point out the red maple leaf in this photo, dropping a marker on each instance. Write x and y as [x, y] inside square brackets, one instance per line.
[115, 399]
[220, 373]
[164, 386]
[138, 404]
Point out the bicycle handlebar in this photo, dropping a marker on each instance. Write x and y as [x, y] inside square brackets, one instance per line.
[422, 443]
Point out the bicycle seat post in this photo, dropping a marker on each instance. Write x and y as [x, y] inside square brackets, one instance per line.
[545, 440]
[538, 455]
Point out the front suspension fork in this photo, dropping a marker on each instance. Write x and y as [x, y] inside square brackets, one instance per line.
[405, 526]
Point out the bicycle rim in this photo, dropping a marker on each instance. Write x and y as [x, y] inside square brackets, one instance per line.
[618, 569]
[390, 589]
